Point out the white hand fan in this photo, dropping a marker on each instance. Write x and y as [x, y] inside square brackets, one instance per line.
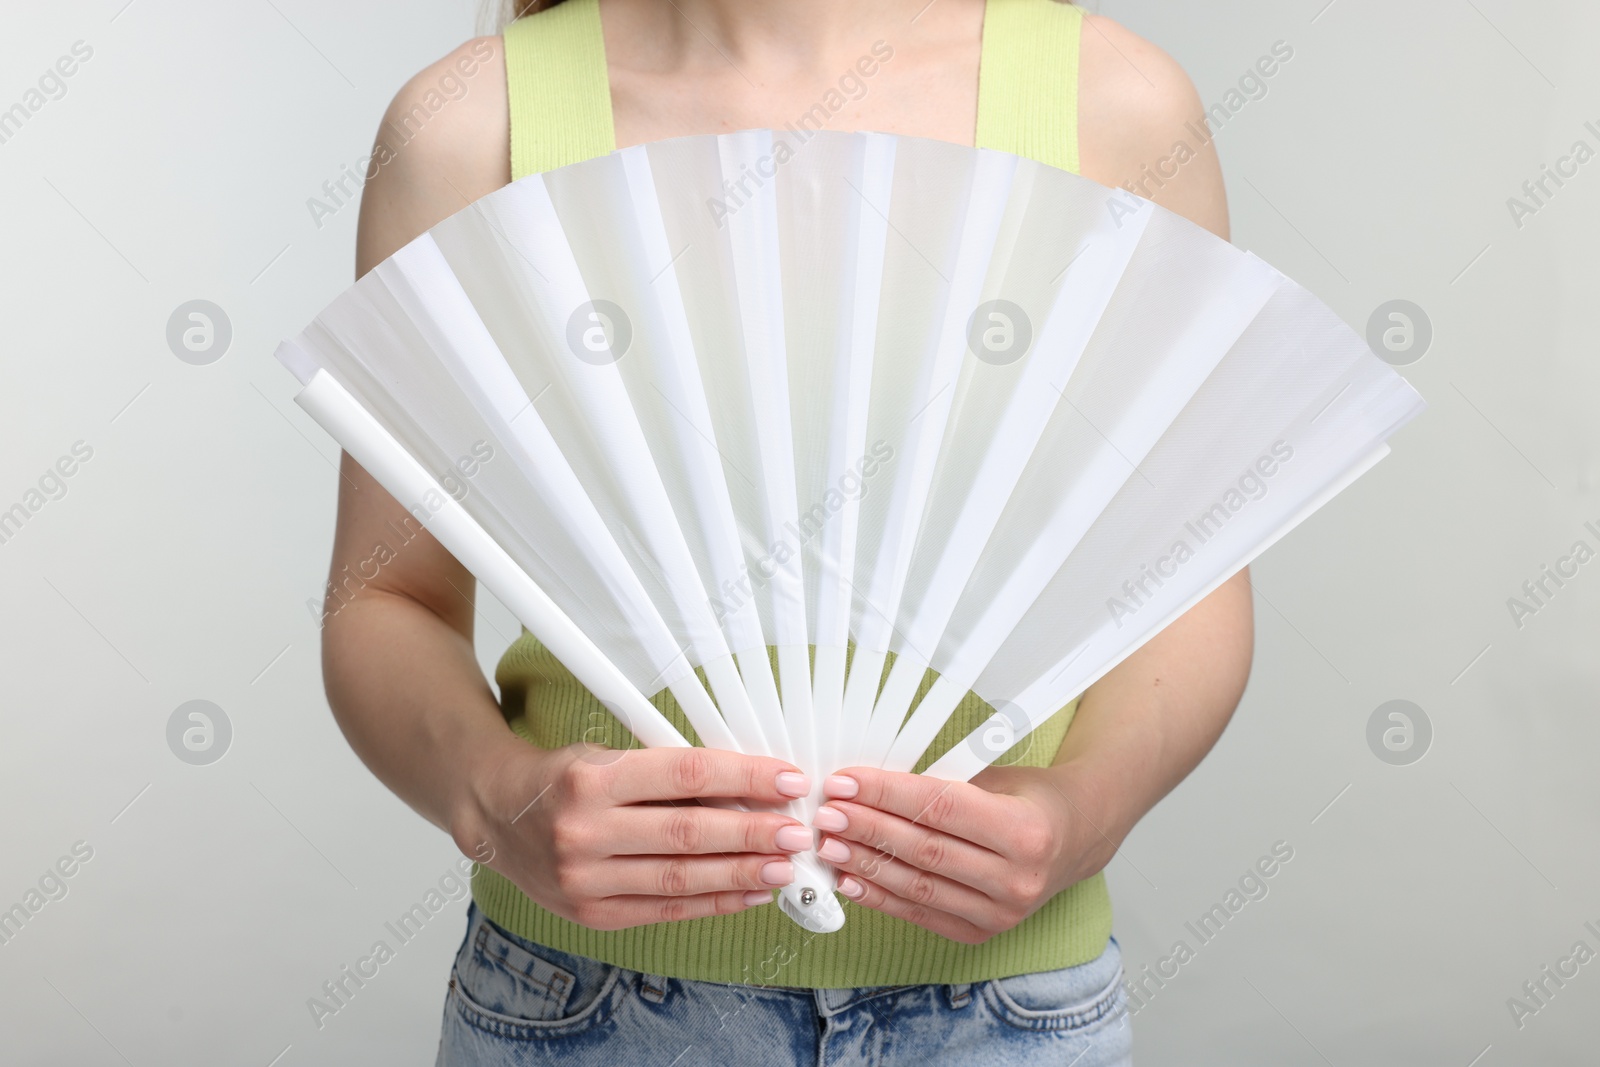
[947, 404]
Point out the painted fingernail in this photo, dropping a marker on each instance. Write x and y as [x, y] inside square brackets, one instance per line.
[840, 787]
[757, 896]
[794, 838]
[834, 851]
[791, 784]
[778, 872]
[830, 819]
[851, 888]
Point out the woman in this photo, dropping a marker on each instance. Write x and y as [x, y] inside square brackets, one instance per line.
[615, 920]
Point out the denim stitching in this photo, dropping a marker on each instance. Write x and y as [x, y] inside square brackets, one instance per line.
[497, 957]
[497, 1025]
[1109, 1002]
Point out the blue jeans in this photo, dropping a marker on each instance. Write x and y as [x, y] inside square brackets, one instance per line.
[512, 1001]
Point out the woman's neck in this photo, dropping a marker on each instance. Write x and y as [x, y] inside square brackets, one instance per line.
[681, 67]
[779, 39]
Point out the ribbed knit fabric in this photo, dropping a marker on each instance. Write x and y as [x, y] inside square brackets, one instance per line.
[559, 91]
[561, 113]
[1028, 80]
[549, 707]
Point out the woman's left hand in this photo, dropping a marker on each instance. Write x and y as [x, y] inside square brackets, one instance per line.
[967, 860]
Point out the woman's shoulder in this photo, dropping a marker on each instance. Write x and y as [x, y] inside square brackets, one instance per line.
[1136, 107]
[443, 143]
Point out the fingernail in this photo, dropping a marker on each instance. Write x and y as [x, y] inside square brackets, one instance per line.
[840, 787]
[851, 888]
[778, 872]
[794, 838]
[834, 851]
[791, 784]
[830, 819]
[757, 896]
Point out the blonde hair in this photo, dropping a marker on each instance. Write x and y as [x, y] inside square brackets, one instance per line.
[515, 9]
[511, 10]
[495, 15]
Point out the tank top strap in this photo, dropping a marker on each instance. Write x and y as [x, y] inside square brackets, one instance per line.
[1028, 80]
[560, 94]
[558, 89]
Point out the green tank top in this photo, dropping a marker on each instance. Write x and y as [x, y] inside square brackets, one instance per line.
[560, 102]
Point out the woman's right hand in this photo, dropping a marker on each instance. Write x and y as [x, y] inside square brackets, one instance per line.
[615, 838]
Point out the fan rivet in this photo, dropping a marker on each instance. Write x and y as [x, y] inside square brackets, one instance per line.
[808, 896]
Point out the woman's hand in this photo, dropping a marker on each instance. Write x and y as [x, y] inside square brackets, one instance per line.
[965, 860]
[612, 839]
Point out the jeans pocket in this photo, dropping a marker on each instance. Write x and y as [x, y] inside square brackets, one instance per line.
[512, 987]
[1078, 998]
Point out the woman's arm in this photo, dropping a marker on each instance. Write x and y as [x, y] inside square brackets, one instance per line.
[397, 653]
[607, 842]
[969, 860]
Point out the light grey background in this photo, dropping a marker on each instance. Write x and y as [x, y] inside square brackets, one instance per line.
[178, 564]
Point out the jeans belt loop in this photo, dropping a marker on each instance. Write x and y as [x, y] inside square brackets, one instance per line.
[653, 987]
